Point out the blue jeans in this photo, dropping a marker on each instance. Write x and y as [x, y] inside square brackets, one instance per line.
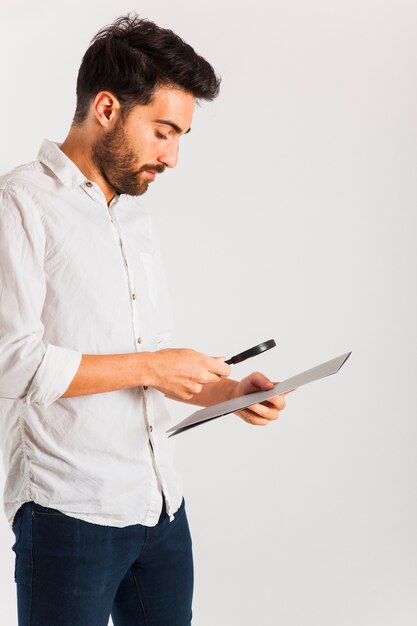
[69, 572]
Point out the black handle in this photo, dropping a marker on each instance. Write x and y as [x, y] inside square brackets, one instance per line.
[242, 356]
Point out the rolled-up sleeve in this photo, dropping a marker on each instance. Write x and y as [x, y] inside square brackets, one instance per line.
[30, 369]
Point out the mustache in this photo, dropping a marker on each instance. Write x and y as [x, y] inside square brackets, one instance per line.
[158, 169]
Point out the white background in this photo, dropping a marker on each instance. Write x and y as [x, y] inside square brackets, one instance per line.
[292, 215]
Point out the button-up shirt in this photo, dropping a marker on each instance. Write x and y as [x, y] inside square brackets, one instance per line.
[78, 276]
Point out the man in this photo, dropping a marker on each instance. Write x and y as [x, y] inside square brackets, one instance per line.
[85, 358]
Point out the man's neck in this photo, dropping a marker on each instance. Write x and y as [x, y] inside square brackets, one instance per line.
[76, 148]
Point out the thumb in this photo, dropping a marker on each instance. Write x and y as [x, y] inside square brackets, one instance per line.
[261, 381]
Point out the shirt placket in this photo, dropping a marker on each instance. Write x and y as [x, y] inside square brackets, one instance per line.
[117, 231]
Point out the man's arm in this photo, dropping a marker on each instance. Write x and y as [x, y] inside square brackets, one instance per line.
[98, 373]
[31, 369]
[110, 372]
[177, 372]
[259, 414]
[213, 393]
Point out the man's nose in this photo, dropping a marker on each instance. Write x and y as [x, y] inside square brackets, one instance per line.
[170, 156]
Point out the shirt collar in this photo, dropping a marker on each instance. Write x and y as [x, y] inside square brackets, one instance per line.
[62, 166]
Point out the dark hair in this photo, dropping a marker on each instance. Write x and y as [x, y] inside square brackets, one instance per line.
[132, 57]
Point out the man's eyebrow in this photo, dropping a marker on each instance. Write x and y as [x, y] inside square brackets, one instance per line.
[177, 129]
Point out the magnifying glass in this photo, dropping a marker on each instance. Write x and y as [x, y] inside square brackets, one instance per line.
[242, 356]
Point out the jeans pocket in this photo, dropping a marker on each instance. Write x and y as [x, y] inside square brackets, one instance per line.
[38, 509]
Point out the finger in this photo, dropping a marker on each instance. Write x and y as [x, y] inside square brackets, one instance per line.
[216, 365]
[277, 402]
[209, 377]
[261, 381]
[252, 418]
[261, 410]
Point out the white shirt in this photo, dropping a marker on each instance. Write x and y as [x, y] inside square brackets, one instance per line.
[80, 277]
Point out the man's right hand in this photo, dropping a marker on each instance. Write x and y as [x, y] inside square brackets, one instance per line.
[180, 373]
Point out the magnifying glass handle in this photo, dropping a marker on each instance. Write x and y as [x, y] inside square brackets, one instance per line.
[242, 356]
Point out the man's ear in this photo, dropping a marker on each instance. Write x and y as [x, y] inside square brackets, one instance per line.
[106, 108]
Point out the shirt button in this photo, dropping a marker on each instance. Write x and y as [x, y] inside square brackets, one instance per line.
[139, 339]
[150, 428]
[145, 386]
[89, 184]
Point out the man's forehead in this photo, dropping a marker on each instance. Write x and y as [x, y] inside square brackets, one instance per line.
[170, 106]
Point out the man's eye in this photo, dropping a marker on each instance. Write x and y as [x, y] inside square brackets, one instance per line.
[160, 135]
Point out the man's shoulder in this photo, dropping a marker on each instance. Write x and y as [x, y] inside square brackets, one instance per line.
[21, 176]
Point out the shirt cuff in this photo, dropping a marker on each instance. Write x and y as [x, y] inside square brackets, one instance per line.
[54, 375]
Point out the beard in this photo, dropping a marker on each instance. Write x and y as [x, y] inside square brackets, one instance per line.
[115, 160]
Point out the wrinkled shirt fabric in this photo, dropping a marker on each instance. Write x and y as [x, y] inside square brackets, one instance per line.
[78, 276]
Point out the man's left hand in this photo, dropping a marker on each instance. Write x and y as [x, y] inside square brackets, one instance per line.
[262, 413]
